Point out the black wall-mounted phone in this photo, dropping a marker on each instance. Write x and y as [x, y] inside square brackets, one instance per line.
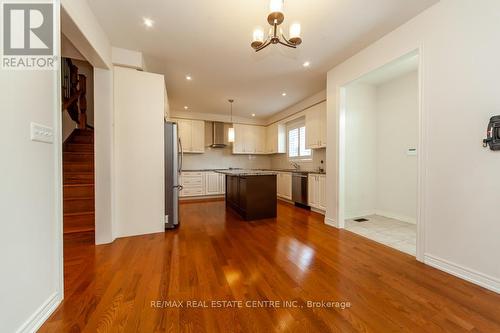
[493, 136]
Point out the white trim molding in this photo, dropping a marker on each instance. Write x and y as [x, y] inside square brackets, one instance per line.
[331, 223]
[464, 273]
[41, 314]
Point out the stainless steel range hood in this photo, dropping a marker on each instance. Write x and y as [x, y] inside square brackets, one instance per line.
[218, 135]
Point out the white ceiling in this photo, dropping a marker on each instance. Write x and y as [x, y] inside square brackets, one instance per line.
[210, 40]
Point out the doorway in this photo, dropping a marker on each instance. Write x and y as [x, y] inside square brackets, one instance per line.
[77, 86]
[380, 159]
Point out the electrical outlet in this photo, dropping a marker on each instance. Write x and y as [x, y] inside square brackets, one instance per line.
[41, 133]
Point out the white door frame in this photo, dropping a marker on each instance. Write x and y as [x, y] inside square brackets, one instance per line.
[421, 152]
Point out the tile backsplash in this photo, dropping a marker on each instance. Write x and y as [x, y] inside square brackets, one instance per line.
[217, 158]
[281, 161]
[223, 158]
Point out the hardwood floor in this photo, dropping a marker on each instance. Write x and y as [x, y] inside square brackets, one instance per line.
[215, 256]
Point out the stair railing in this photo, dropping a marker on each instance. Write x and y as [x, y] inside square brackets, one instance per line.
[74, 92]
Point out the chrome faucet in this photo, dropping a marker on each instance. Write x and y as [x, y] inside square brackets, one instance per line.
[295, 165]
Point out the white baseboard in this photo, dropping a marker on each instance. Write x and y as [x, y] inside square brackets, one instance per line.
[401, 218]
[331, 222]
[355, 215]
[319, 211]
[202, 197]
[42, 314]
[464, 273]
[286, 200]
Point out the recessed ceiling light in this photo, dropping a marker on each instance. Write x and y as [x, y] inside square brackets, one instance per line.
[148, 22]
[189, 77]
[186, 107]
[253, 114]
[307, 64]
[283, 94]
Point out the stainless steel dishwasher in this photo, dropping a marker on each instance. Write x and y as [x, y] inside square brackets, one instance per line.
[299, 188]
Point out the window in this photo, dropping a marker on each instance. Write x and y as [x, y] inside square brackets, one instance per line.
[297, 143]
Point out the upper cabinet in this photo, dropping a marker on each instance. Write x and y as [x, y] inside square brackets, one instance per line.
[192, 135]
[316, 126]
[249, 139]
[252, 139]
[276, 139]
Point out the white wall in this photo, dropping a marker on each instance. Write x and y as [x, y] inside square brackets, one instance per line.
[127, 58]
[381, 124]
[397, 130]
[104, 156]
[68, 50]
[296, 110]
[139, 152]
[220, 117]
[30, 199]
[361, 150]
[459, 67]
[81, 27]
[68, 126]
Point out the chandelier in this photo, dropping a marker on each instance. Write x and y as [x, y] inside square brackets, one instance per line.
[276, 36]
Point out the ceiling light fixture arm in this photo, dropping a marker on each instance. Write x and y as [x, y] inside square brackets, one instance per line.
[287, 42]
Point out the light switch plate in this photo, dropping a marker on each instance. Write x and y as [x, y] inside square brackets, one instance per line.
[42, 133]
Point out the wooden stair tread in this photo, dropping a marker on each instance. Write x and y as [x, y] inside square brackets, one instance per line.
[88, 213]
[79, 198]
[78, 185]
[74, 230]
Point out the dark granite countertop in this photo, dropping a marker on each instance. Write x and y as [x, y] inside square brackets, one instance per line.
[244, 172]
[256, 170]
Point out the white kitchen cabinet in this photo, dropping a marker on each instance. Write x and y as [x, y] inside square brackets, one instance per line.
[260, 139]
[317, 191]
[202, 183]
[192, 135]
[214, 183]
[197, 136]
[276, 139]
[184, 128]
[322, 192]
[249, 139]
[312, 192]
[193, 184]
[239, 139]
[316, 126]
[284, 185]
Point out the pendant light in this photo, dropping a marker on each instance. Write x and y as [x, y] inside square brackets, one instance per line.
[230, 132]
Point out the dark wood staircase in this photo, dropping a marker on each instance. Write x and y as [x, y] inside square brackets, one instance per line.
[78, 174]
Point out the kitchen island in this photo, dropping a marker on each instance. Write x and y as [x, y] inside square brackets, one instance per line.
[251, 193]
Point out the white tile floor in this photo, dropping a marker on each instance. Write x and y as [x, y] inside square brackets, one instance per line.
[394, 233]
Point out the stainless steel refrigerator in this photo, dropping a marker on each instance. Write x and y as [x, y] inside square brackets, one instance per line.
[173, 168]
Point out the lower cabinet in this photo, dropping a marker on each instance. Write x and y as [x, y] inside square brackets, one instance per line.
[214, 183]
[317, 191]
[202, 183]
[284, 185]
[253, 197]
